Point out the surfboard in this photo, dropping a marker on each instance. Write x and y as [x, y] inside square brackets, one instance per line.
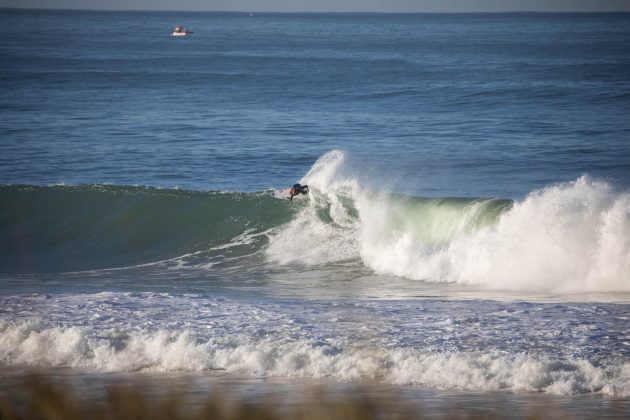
[284, 194]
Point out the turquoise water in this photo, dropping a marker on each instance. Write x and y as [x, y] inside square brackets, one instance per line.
[466, 230]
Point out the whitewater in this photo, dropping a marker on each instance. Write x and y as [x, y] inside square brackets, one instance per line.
[477, 346]
[350, 283]
[465, 241]
[571, 237]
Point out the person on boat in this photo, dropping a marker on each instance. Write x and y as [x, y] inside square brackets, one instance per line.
[297, 189]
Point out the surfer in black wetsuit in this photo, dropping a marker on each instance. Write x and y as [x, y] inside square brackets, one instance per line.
[297, 189]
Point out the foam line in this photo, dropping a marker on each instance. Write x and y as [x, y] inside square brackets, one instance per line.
[31, 344]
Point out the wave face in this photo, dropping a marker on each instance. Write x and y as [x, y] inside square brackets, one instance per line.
[73, 228]
[566, 238]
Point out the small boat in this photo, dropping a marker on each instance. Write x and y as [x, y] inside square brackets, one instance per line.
[180, 31]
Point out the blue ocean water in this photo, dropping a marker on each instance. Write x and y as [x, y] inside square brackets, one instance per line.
[468, 226]
[464, 105]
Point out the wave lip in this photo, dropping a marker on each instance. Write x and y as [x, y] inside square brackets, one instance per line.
[31, 344]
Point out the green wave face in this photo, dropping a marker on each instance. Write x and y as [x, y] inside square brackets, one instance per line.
[567, 237]
[79, 228]
[436, 221]
[60, 228]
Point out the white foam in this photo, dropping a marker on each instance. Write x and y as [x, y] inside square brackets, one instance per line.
[323, 231]
[567, 238]
[31, 344]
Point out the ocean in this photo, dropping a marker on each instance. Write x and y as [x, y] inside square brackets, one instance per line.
[466, 238]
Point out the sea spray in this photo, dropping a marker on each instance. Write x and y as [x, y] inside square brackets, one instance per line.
[324, 231]
[570, 237]
[559, 238]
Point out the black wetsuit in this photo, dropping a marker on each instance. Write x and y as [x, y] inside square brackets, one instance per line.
[298, 189]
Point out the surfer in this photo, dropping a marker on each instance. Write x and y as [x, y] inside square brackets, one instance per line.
[297, 189]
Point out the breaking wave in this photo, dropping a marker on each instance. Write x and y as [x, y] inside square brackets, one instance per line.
[30, 344]
[571, 237]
